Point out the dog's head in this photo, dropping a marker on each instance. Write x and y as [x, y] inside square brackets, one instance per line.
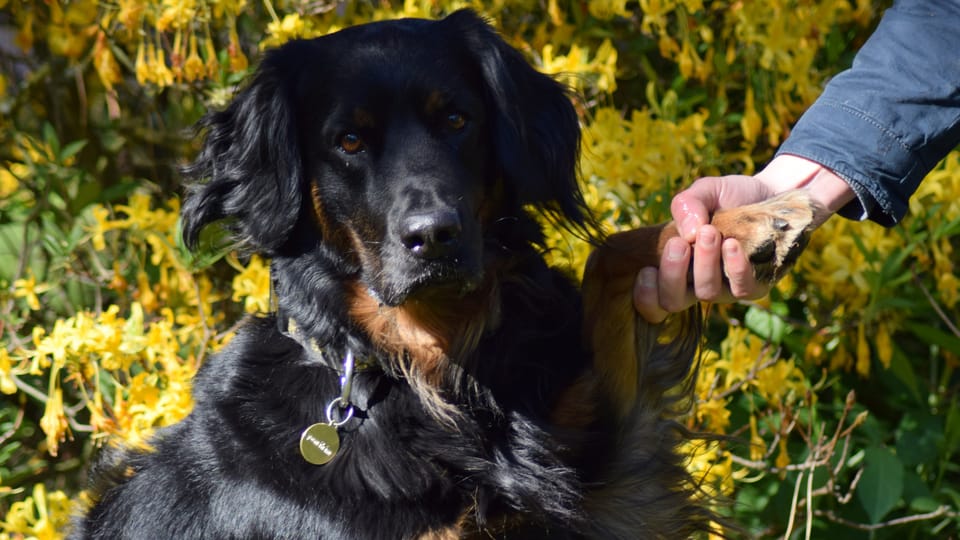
[411, 148]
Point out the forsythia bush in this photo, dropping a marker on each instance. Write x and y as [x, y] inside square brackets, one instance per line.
[836, 397]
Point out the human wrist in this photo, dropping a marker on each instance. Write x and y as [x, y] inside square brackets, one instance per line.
[788, 172]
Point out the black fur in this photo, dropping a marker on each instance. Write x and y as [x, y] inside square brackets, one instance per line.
[429, 220]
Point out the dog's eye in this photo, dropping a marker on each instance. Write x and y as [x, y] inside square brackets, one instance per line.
[351, 143]
[456, 121]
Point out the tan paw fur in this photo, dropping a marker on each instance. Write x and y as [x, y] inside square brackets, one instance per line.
[772, 233]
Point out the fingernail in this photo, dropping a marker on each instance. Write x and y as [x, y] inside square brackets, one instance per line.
[707, 237]
[648, 278]
[676, 250]
[730, 249]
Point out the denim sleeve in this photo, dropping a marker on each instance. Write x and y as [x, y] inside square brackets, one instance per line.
[883, 124]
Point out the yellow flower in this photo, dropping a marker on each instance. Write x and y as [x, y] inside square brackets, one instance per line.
[238, 61]
[140, 67]
[29, 289]
[101, 217]
[228, 7]
[757, 446]
[103, 61]
[176, 14]
[863, 352]
[81, 13]
[193, 68]
[131, 13]
[7, 385]
[292, 26]
[161, 74]
[714, 415]
[710, 467]
[41, 516]
[8, 183]
[884, 345]
[65, 41]
[750, 123]
[133, 340]
[145, 293]
[778, 380]
[576, 67]
[607, 9]
[949, 287]
[783, 457]
[54, 421]
[212, 65]
[252, 285]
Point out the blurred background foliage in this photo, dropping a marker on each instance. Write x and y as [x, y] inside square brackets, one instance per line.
[838, 392]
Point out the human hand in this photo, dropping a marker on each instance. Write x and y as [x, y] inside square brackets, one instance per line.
[700, 264]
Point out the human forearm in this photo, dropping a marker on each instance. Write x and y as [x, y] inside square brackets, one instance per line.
[787, 172]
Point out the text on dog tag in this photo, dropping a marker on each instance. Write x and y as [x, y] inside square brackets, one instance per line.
[319, 443]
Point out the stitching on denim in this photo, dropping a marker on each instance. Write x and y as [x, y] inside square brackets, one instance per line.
[869, 119]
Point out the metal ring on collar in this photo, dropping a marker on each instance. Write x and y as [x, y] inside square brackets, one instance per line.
[346, 415]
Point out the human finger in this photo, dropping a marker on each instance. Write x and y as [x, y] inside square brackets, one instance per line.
[707, 271]
[739, 272]
[646, 296]
[691, 208]
[673, 277]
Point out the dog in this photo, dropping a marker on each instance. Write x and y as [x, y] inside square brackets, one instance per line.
[426, 375]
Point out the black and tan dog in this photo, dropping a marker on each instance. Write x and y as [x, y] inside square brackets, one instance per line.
[427, 375]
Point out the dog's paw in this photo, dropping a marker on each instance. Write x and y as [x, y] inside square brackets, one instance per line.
[772, 233]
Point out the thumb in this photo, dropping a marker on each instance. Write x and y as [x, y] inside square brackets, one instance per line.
[693, 206]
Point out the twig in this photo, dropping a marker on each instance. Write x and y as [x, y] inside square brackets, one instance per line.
[749, 377]
[943, 511]
[793, 506]
[27, 389]
[936, 307]
[16, 425]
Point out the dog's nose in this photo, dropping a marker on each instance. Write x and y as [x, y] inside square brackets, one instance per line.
[431, 235]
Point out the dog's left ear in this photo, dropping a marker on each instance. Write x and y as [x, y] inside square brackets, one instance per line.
[249, 171]
[534, 124]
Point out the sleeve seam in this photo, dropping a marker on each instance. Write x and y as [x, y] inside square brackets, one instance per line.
[883, 129]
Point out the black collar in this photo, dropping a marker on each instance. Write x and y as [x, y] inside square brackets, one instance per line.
[343, 363]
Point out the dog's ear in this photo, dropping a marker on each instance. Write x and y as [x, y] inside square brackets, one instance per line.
[249, 170]
[535, 128]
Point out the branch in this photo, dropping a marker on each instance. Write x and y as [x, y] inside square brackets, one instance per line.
[943, 511]
[936, 307]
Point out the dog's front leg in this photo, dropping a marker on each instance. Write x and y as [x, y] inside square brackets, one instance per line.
[772, 233]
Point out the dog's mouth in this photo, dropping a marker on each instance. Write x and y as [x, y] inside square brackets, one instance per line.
[436, 283]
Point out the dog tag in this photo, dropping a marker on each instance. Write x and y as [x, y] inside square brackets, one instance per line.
[319, 443]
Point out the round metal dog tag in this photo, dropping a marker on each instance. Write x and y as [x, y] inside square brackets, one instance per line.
[319, 443]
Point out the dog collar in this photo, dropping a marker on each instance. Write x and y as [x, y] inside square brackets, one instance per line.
[320, 442]
[318, 354]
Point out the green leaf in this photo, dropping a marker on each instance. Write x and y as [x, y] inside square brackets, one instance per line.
[919, 438]
[71, 150]
[50, 138]
[881, 484]
[765, 324]
[952, 429]
[902, 371]
[214, 243]
[934, 336]
[924, 504]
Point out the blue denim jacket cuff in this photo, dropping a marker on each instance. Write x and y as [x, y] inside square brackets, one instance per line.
[880, 168]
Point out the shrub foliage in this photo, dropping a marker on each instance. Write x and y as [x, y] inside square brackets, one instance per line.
[837, 394]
